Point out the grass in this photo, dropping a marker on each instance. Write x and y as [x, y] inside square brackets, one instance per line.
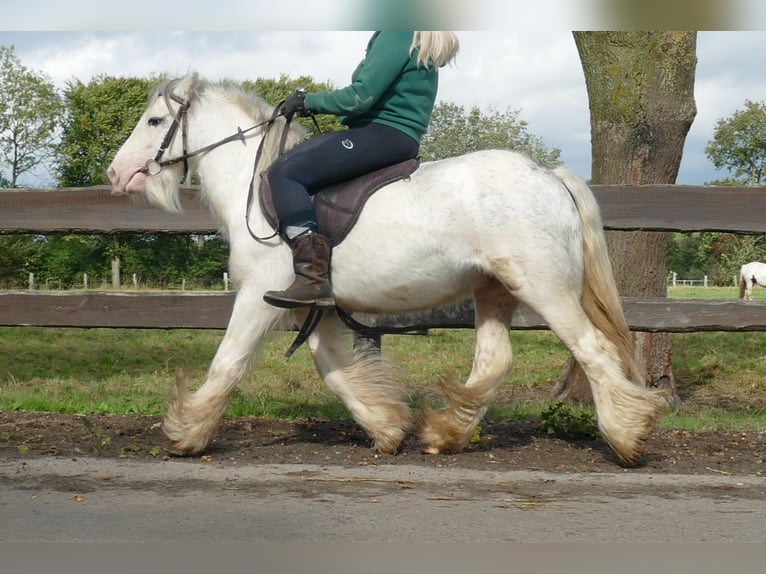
[699, 292]
[120, 371]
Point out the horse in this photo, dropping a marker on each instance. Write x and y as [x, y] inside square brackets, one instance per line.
[750, 275]
[490, 225]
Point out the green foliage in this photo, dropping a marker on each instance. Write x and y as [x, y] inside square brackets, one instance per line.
[162, 260]
[717, 255]
[66, 258]
[562, 420]
[157, 260]
[684, 257]
[739, 144]
[30, 116]
[210, 261]
[725, 253]
[19, 255]
[453, 132]
[100, 116]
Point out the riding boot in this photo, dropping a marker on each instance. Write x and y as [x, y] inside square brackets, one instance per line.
[311, 262]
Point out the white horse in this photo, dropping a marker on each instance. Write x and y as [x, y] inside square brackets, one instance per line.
[750, 275]
[492, 225]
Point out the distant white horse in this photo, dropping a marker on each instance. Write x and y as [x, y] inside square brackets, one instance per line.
[750, 275]
[492, 225]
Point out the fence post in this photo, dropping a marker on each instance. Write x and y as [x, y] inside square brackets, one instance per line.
[704, 281]
[135, 281]
[116, 273]
[225, 280]
[85, 281]
[31, 281]
[675, 278]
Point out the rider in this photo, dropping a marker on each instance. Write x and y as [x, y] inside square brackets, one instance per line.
[387, 108]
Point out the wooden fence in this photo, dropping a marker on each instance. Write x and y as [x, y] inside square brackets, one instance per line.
[94, 211]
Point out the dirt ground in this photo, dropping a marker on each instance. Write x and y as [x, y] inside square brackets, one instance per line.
[513, 445]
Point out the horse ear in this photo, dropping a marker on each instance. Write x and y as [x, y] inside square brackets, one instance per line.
[186, 85]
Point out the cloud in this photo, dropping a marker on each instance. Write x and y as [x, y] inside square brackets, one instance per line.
[535, 71]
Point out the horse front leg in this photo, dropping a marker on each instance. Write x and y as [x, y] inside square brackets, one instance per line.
[450, 429]
[365, 384]
[192, 418]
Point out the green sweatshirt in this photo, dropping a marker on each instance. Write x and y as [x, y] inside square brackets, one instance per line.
[387, 87]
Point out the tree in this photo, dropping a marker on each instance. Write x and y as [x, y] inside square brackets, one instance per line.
[99, 117]
[19, 256]
[684, 257]
[67, 257]
[641, 99]
[453, 131]
[30, 115]
[739, 145]
[725, 253]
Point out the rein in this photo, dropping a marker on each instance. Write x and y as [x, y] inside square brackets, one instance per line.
[258, 154]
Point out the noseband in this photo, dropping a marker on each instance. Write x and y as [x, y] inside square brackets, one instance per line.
[154, 166]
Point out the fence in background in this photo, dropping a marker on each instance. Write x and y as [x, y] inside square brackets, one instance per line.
[94, 210]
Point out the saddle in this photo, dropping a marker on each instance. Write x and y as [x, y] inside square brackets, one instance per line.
[338, 207]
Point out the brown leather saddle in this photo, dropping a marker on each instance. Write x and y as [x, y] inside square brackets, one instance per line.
[338, 207]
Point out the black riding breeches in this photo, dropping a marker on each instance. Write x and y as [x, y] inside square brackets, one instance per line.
[330, 158]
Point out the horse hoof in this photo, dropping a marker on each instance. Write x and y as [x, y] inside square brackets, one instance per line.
[388, 445]
[175, 449]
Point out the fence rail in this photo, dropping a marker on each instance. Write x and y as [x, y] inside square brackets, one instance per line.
[94, 210]
[212, 311]
[623, 207]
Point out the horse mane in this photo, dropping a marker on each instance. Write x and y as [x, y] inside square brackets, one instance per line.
[260, 110]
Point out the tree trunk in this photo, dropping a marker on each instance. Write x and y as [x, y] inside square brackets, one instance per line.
[641, 98]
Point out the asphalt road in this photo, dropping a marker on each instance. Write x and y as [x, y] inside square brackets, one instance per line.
[105, 500]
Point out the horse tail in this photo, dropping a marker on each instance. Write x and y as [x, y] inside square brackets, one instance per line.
[600, 298]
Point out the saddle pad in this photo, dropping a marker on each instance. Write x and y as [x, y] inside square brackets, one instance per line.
[338, 207]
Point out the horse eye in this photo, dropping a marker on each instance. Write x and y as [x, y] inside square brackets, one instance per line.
[155, 121]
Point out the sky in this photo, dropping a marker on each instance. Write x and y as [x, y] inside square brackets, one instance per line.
[534, 69]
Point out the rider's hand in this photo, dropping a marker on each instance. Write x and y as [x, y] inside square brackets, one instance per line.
[294, 104]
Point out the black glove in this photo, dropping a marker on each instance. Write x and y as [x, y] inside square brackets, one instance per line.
[294, 104]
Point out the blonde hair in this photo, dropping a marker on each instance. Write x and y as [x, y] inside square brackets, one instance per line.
[437, 47]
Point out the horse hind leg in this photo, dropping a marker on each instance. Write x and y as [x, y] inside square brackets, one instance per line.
[626, 410]
[365, 383]
[450, 429]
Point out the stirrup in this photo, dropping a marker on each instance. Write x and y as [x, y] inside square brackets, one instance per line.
[311, 322]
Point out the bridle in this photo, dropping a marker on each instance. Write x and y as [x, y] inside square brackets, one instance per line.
[154, 166]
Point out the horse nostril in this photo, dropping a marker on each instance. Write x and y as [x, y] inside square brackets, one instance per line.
[111, 173]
